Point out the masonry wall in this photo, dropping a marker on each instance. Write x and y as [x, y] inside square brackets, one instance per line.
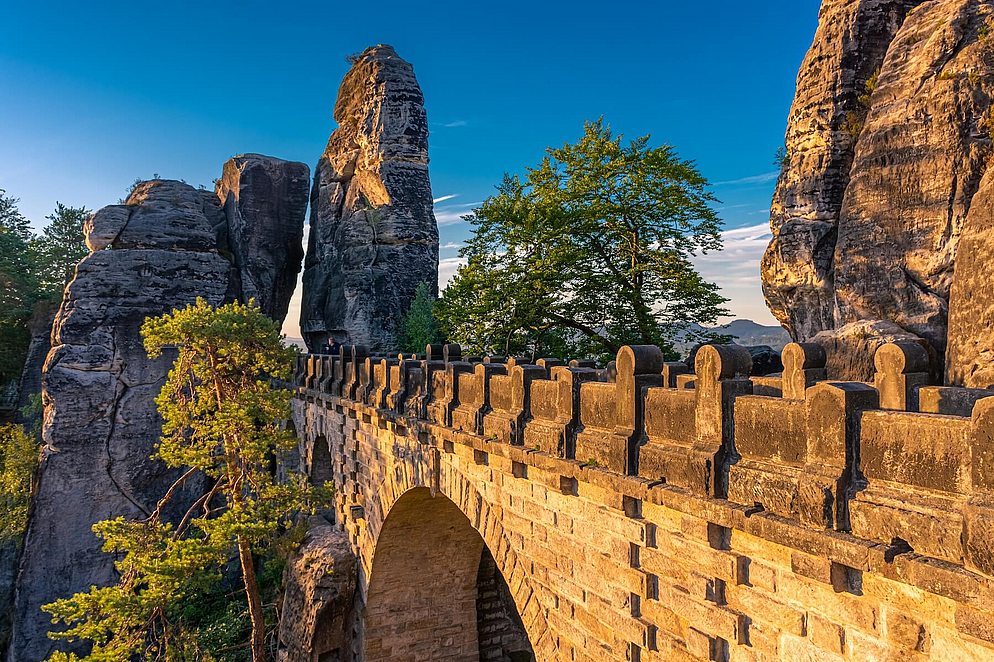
[650, 522]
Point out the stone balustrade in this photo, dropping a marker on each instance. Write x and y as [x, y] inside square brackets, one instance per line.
[896, 462]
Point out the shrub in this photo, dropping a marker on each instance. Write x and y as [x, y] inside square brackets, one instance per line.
[18, 461]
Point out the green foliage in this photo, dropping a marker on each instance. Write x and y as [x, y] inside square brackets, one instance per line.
[781, 158]
[18, 461]
[19, 288]
[60, 247]
[866, 99]
[947, 75]
[222, 418]
[418, 326]
[32, 269]
[589, 252]
[856, 119]
[853, 125]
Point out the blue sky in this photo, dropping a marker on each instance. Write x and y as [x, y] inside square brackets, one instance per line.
[97, 94]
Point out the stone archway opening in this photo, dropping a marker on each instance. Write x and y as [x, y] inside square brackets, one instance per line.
[322, 464]
[435, 592]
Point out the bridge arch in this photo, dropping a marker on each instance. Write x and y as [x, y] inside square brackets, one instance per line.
[431, 585]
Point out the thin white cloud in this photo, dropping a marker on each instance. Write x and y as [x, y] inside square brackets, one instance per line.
[444, 198]
[451, 244]
[746, 181]
[736, 270]
[449, 217]
[451, 125]
[447, 268]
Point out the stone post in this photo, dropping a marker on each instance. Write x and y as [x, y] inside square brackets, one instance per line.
[671, 369]
[312, 371]
[440, 411]
[327, 373]
[351, 388]
[451, 352]
[833, 411]
[803, 366]
[901, 368]
[300, 370]
[722, 375]
[522, 377]
[398, 388]
[980, 508]
[434, 362]
[568, 381]
[384, 372]
[469, 417]
[639, 367]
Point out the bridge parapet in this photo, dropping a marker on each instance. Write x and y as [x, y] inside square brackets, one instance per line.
[842, 455]
[894, 478]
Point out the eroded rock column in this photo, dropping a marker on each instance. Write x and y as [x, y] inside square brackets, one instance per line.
[373, 236]
[168, 245]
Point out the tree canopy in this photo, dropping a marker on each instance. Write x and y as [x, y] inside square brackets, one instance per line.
[222, 419]
[60, 247]
[418, 326]
[32, 269]
[588, 252]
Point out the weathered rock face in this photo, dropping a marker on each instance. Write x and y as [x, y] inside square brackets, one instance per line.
[373, 236]
[101, 422]
[264, 201]
[918, 164]
[868, 229]
[970, 353]
[317, 608]
[850, 44]
[156, 253]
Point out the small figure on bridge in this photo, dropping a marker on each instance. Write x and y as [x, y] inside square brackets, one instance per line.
[331, 346]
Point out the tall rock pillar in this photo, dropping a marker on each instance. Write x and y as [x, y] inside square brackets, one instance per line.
[373, 236]
[168, 245]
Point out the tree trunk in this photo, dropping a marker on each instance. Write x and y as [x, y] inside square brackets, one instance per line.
[254, 602]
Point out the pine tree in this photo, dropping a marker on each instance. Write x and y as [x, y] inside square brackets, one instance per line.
[221, 418]
[60, 248]
[418, 327]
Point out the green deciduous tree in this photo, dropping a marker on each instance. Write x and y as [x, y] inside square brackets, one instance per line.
[418, 326]
[222, 418]
[589, 252]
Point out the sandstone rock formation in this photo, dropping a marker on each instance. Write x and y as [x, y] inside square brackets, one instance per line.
[264, 199]
[101, 422]
[870, 205]
[157, 252]
[373, 236]
[317, 607]
[849, 45]
[970, 354]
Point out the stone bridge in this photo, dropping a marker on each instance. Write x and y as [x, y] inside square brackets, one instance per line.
[503, 510]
